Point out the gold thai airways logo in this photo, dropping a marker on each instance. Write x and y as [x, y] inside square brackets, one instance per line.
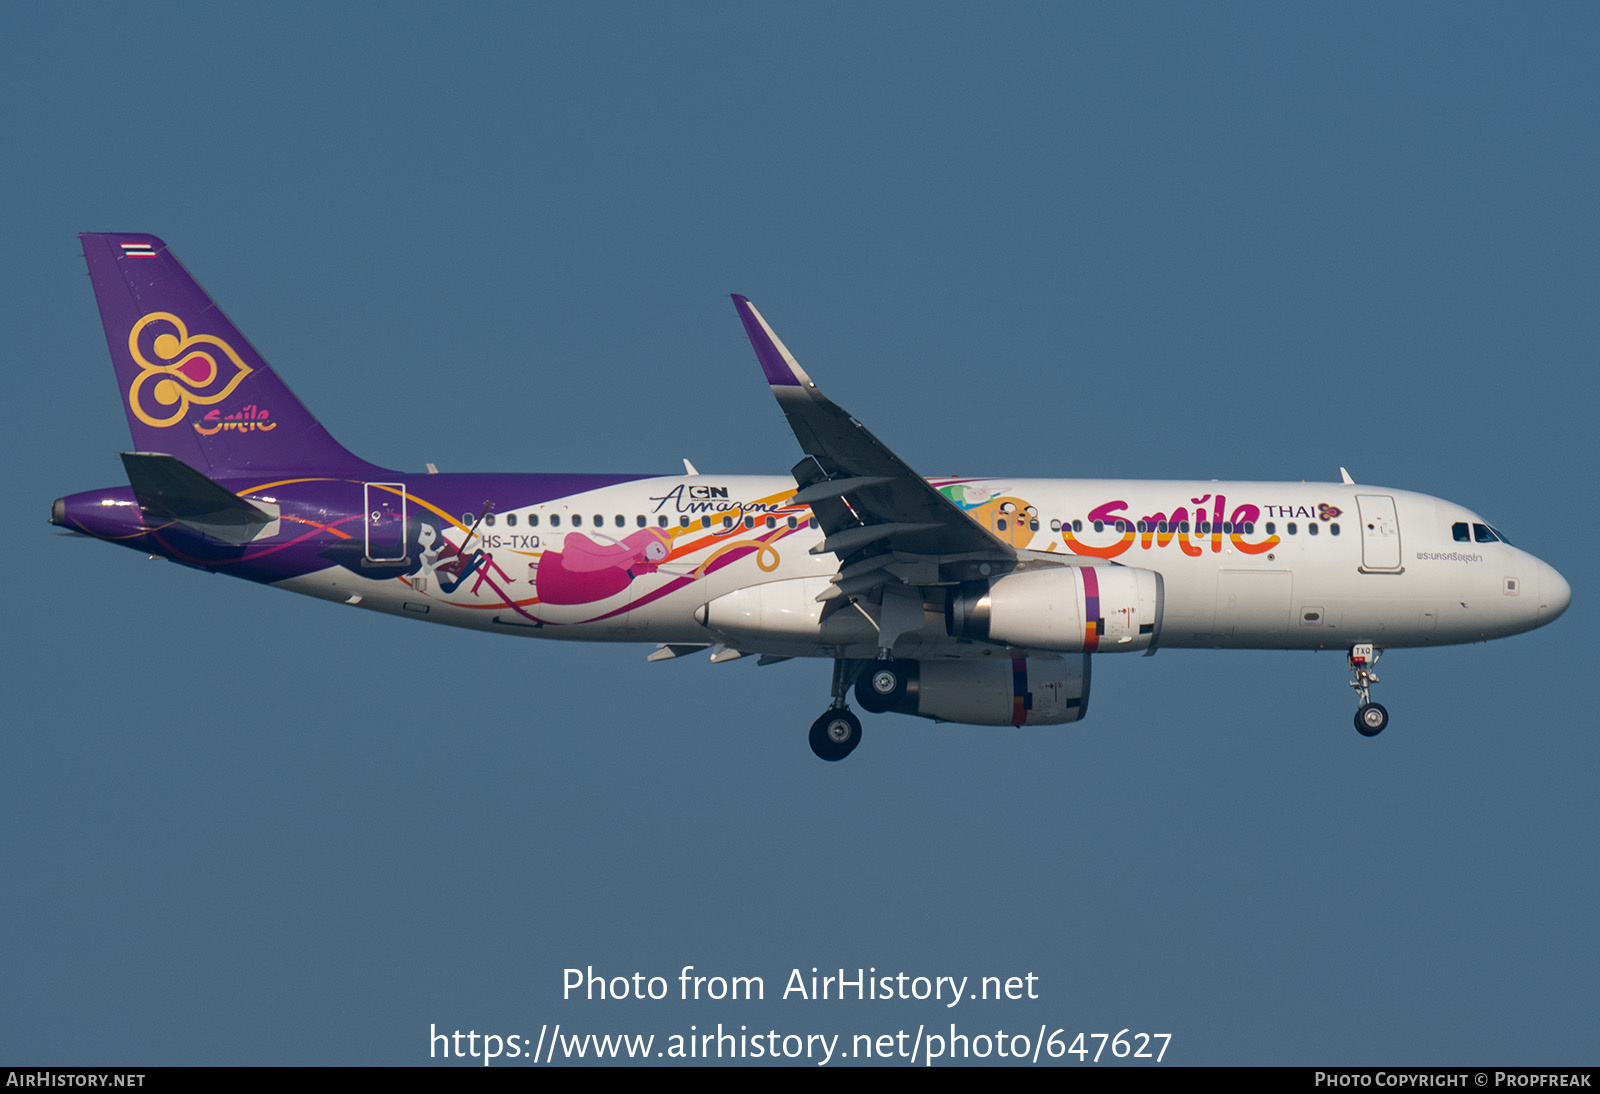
[186, 371]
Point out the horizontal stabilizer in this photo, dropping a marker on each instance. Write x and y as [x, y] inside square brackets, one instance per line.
[167, 487]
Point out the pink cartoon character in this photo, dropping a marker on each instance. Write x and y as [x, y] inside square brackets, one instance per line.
[584, 571]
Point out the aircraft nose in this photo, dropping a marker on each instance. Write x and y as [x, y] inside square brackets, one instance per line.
[1554, 593]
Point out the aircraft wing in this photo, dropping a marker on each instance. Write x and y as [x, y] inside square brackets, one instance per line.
[879, 516]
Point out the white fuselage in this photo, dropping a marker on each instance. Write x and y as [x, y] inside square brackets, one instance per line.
[1242, 564]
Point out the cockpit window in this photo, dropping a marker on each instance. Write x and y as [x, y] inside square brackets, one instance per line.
[1499, 535]
[1482, 533]
[1458, 531]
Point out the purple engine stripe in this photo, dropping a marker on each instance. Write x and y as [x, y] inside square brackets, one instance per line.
[1091, 610]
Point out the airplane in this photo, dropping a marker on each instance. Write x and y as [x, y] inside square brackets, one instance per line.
[972, 600]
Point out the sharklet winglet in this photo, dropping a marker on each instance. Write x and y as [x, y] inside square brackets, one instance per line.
[776, 361]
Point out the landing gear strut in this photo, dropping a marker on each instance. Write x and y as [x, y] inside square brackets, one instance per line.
[1371, 718]
[836, 734]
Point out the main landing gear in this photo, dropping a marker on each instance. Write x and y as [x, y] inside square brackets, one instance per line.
[1371, 718]
[836, 734]
[880, 686]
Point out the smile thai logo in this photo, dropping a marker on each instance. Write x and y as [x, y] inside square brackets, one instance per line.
[178, 370]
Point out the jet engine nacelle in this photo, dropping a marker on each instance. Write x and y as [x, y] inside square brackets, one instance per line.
[1088, 609]
[997, 691]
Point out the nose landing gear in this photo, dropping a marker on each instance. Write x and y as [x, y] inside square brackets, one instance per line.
[1371, 718]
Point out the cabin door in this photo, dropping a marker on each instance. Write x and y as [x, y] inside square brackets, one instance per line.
[386, 521]
[1380, 533]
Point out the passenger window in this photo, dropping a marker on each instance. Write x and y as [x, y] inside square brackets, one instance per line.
[1333, 529]
[793, 523]
[1312, 528]
[489, 520]
[1055, 526]
[599, 520]
[1292, 528]
[642, 521]
[661, 521]
[1272, 528]
[1458, 531]
[622, 521]
[749, 522]
[533, 520]
[555, 520]
[511, 520]
[577, 520]
[772, 522]
[1099, 526]
[727, 522]
[705, 522]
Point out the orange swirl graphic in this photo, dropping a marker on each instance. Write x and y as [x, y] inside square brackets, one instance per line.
[188, 370]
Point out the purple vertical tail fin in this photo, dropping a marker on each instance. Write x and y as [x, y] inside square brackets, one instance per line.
[192, 385]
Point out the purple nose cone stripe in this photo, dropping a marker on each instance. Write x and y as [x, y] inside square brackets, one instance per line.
[769, 351]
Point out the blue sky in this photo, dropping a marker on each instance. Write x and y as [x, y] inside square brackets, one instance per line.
[1239, 241]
